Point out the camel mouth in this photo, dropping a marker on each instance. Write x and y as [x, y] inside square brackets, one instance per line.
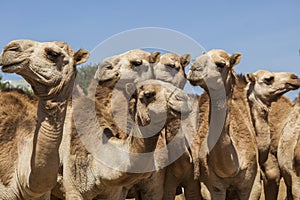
[12, 67]
[109, 81]
[197, 82]
[293, 86]
[106, 82]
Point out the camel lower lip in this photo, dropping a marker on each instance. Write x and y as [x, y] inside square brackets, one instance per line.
[103, 82]
[8, 68]
[107, 81]
[293, 85]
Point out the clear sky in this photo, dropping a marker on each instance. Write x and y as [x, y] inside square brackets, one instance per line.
[267, 33]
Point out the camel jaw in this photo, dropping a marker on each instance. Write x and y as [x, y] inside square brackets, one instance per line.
[287, 87]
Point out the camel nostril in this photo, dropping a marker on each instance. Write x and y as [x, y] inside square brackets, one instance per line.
[117, 74]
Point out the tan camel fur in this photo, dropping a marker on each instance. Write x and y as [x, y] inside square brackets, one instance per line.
[273, 186]
[112, 69]
[229, 156]
[170, 68]
[30, 132]
[289, 152]
[265, 93]
[90, 177]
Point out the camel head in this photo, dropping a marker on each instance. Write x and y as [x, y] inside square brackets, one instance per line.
[108, 73]
[170, 68]
[269, 86]
[131, 66]
[49, 67]
[213, 69]
[155, 102]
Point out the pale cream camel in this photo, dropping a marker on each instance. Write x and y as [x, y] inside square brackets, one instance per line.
[289, 152]
[264, 89]
[229, 156]
[30, 132]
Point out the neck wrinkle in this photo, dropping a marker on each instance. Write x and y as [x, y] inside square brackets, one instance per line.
[47, 138]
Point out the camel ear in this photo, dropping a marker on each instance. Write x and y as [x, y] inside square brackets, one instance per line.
[185, 60]
[154, 57]
[81, 56]
[178, 101]
[235, 59]
[250, 78]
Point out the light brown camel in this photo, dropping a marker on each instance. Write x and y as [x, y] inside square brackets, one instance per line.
[229, 156]
[88, 175]
[110, 73]
[289, 152]
[266, 88]
[180, 173]
[273, 186]
[114, 73]
[170, 68]
[30, 133]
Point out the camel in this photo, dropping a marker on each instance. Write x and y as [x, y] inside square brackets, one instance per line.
[170, 68]
[228, 157]
[114, 73]
[264, 101]
[88, 177]
[109, 75]
[31, 132]
[278, 114]
[179, 173]
[289, 151]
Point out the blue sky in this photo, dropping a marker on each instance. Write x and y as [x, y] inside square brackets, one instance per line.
[267, 33]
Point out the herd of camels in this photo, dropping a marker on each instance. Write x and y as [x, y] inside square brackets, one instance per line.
[237, 140]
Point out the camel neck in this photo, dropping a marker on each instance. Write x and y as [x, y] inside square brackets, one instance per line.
[222, 156]
[46, 141]
[139, 142]
[259, 115]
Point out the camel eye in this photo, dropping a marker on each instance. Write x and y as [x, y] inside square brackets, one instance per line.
[108, 67]
[14, 48]
[52, 55]
[269, 80]
[221, 64]
[149, 95]
[136, 62]
[171, 65]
